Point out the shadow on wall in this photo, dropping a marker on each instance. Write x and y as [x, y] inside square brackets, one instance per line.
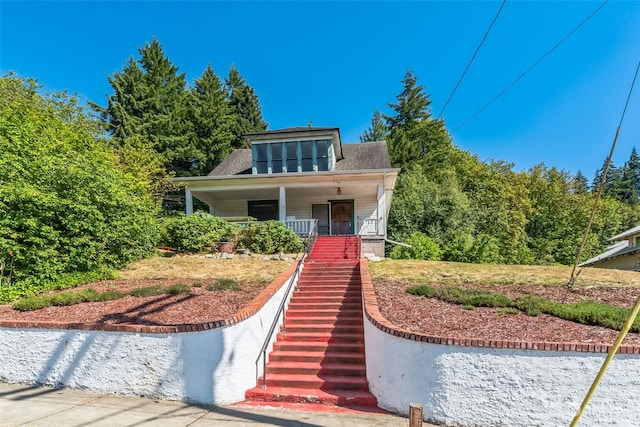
[201, 357]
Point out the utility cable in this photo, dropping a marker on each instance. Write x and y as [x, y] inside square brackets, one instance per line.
[472, 58]
[532, 67]
[600, 187]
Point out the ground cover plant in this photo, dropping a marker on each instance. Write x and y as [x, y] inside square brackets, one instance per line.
[586, 312]
[506, 302]
[158, 290]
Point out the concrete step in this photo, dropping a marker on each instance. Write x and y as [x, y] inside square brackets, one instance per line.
[328, 337]
[317, 357]
[320, 346]
[324, 306]
[319, 327]
[321, 369]
[325, 312]
[356, 299]
[305, 395]
[322, 382]
[323, 292]
[324, 321]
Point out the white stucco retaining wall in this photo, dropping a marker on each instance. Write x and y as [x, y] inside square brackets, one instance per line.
[215, 366]
[474, 386]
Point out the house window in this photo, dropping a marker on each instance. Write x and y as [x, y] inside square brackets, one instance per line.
[292, 156]
[307, 156]
[263, 210]
[323, 154]
[276, 157]
[261, 161]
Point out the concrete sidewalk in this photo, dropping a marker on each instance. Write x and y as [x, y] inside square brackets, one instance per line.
[40, 406]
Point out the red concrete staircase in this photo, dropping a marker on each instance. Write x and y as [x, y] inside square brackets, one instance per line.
[320, 358]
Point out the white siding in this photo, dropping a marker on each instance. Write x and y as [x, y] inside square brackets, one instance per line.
[229, 208]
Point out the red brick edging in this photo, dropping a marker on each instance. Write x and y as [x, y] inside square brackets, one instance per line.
[246, 312]
[372, 312]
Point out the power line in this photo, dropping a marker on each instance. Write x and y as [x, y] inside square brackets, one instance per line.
[533, 66]
[472, 58]
[600, 188]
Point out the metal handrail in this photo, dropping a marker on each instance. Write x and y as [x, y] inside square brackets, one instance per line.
[311, 239]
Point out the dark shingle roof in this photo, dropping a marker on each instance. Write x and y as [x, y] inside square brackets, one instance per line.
[236, 163]
[367, 155]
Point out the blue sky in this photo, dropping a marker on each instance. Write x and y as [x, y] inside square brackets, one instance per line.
[336, 62]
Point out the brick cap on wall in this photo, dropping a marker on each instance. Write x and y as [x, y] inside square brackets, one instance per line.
[244, 313]
[372, 312]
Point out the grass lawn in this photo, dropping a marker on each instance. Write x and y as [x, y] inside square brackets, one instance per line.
[253, 269]
[433, 272]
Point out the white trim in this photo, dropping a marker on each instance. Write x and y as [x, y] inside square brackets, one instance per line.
[188, 201]
[282, 204]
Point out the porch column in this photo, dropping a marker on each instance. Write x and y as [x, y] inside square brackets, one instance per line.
[210, 209]
[188, 201]
[382, 211]
[282, 205]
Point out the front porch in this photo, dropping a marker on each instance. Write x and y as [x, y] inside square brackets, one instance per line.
[353, 207]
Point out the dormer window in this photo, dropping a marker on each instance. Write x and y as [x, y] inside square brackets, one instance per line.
[292, 156]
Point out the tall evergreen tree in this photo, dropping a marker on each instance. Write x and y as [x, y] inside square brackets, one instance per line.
[378, 130]
[149, 102]
[213, 121]
[413, 135]
[245, 104]
[579, 184]
[631, 178]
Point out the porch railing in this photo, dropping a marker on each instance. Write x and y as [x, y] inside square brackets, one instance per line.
[370, 226]
[302, 227]
[310, 241]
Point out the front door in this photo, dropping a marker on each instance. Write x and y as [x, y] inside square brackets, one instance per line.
[342, 217]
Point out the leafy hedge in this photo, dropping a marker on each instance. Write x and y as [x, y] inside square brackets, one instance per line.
[422, 247]
[67, 204]
[585, 312]
[196, 232]
[269, 237]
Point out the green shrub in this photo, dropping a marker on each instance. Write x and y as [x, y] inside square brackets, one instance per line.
[30, 287]
[195, 232]
[147, 291]
[110, 295]
[178, 288]
[67, 202]
[422, 247]
[66, 298]
[31, 303]
[530, 304]
[224, 284]
[269, 237]
[507, 310]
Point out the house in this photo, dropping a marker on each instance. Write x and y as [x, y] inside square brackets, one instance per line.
[299, 174]
[624, 254]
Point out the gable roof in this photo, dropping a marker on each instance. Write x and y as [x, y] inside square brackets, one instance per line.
[625, 234]
[362, 156]
[613, 251]
[236, 163]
